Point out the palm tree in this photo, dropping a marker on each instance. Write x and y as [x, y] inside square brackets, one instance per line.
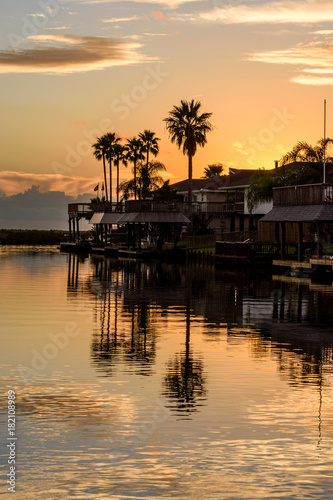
[188, 129]
[154, 180]
[111, 139]
[212, 170]
[100, 152]
[119, 152]
[134, 154]
[149, 146]
[304, 152]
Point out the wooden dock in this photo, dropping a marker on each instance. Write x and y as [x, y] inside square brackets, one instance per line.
[314, 264]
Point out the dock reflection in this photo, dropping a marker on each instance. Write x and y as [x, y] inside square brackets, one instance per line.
[289, 321]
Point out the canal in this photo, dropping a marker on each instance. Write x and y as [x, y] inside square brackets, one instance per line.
[161, 380]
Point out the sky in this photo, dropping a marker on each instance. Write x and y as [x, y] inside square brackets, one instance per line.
[72, 70]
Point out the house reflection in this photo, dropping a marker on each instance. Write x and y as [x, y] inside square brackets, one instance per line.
[114, 343]
[288, 320]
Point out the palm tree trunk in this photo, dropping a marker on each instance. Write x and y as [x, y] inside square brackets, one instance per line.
[105, 184]
[135, 180]
[110, 168]
[145, 180]
[189, 195]
[117, 181]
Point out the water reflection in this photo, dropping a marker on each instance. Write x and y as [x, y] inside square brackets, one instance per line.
[184, 383]
[131, 298]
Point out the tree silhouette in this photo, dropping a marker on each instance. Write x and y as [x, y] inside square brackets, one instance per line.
[149, 146]
[101, 147]
[153, 180]
[134, 155]
[214, 169]
[188, 129]
[112, 140]
[119, 153]
[304, 152]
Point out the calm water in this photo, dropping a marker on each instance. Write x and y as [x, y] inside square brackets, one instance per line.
[138, 380]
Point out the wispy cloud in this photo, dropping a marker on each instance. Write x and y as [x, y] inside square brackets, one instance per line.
[166, 3]
[60, 54]
[57, 28]
[17, 182]
[285, 11]
[316, 59]
[121, 19]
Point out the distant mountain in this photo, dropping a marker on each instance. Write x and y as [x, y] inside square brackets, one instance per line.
[35, 210]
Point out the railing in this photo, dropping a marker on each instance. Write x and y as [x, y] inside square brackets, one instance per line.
[207, 208]
[218, 208]
[238, 236]
[150, 206]
[80, 209]
[203, 207]
[309, 194]
[108, 206]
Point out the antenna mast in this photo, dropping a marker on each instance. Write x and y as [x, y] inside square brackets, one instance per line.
[324, 166]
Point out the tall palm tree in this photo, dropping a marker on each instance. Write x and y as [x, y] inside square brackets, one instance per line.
[119, 152]
[111, 139]
[134, 154]
[100, 152]
[149, 146]
[188, 129]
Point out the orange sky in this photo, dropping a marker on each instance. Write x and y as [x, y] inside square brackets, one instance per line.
[71, 70]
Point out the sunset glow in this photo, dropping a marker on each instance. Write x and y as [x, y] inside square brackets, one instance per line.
[80, 68]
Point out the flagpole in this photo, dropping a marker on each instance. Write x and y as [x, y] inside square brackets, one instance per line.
[324, 167]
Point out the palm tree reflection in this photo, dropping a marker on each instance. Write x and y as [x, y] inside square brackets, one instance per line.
[184, 383]
[114, 344]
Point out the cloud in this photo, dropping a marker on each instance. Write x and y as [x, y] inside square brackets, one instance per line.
[313, 80]
[166, 3]
[240, 148]
[298, 12]
[121, 19]
[317, 57]
[78, 124]
[60, 54]
[57, 28]
[34, 209]
[16, 182]
[157, 14]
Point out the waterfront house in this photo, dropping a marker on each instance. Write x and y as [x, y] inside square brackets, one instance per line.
[301, 218]
[221, 202]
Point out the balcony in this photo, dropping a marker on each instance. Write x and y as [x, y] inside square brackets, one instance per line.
[309, 194]
[80, 210]
[208, 208]
[86, 210]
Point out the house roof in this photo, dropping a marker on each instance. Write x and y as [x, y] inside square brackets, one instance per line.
[235, 178]
[153, 217]
[239, 177]
[303, 213]
[212, 183]
[105, 218]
